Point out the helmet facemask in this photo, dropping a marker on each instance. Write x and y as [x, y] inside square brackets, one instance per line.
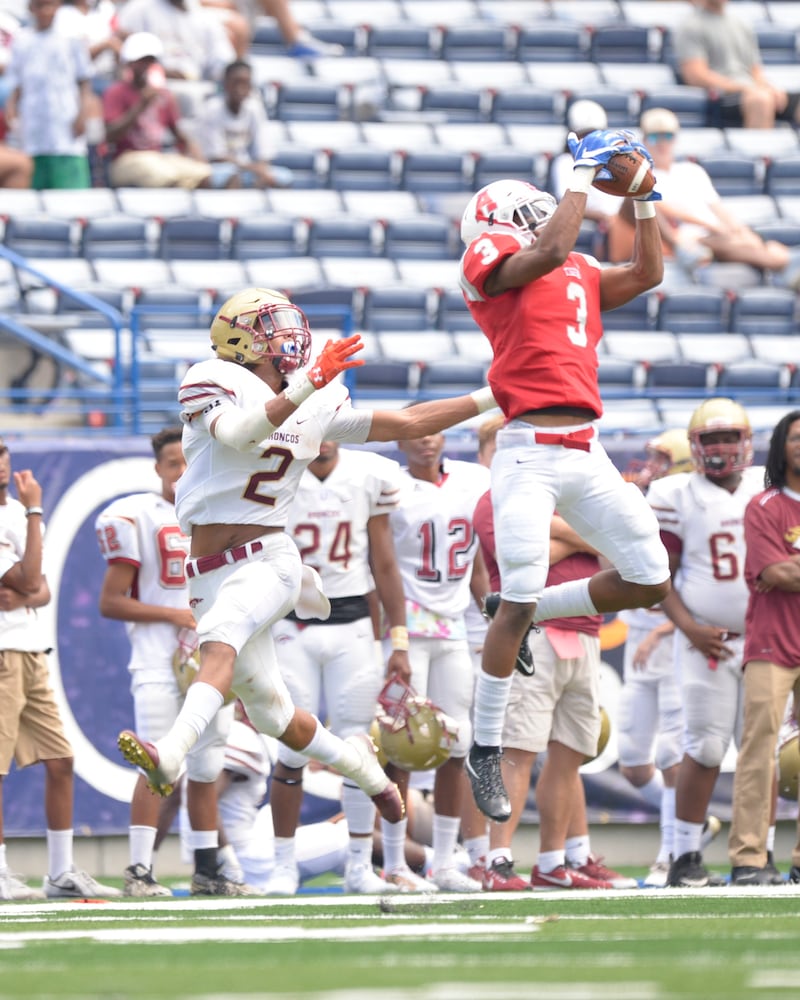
[246, 327]
[288, 322]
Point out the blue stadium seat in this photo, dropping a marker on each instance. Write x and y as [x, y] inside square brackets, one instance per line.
[621, 106]
[677, 375]
[67, 305]
[193, 239]
[116, 236]
[363, 169]
[183, 308]
[40, 237]
[783, 175]
[753, 374]
[384, 378]
[452, 313]
[621, 42]
[478, 42]
[309, 166]
[434, 171]
[694, 310]
[396, 309]
[264, 236]
[425, 236]
[327, 307]
[619, 373]
[764, 311]
[453, 102]
[311, 101]
[637, 314]
[403, 41]
[778, 43]
[527, 105]
[689, 104]
[343, 237]
[498, 166]
[553, 41]
[450, 378]
[732, 174]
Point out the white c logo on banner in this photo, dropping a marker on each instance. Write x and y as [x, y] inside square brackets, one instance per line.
[101, 485]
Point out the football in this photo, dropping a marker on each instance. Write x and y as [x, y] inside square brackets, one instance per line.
[632, 175]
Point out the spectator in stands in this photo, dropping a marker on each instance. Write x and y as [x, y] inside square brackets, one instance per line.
[140, 115]
[715, 49]
[232, 131]
[94, 21]
[299, 42]
[16, 168]
[695, 225]
[193, 46]
[49, 79]
[583, 117]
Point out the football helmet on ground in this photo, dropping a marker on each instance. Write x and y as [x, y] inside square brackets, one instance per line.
[509, 207]
[720, 459]
[246, 325]
[413, 733]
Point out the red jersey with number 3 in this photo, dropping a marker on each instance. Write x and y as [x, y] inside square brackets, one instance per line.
[544, 335]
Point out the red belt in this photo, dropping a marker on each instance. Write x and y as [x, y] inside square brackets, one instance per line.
[577, 439]
[204, 564]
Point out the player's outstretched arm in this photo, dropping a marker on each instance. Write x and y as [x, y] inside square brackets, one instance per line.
[430, 417]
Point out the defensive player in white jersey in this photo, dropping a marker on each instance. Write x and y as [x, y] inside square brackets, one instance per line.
[441, 566]
[255, 416]
[145, 586]
[340, 523]
[649, 719]
[248, 821]
[701, 516]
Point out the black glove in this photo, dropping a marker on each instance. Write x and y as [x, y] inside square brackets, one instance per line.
[524, 662]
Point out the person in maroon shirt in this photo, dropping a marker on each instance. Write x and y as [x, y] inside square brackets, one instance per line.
[771, 651]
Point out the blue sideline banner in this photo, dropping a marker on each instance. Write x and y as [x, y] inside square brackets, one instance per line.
[89, 660]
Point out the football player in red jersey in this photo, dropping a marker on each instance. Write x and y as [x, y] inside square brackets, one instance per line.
[539, 302]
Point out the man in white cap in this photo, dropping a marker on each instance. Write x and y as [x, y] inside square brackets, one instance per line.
[139, 113]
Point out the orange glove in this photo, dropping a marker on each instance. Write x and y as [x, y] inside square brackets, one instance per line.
[335, 358]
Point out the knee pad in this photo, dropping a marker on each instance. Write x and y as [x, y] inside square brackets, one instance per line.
[291, 758]
[668, 750]
[707, 749]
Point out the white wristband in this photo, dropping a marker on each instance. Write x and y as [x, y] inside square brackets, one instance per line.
[33, 510]
[484, 399]
[582, 178]
[298, 388]
[644, 209]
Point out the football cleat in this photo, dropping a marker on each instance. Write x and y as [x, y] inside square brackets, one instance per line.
[404, 880]
[452, 880]
[565, 878]
[146, 756]
[478, 870]
[483, 767]
[594, 868]
[13, 887]
[219, 885]
[372, 779]
[524, 662]
[794, 875]
[361, 878]
[656, 878]
[689, 872]
[752, 875]
[74, 884]
[501, 877]
[139, 882]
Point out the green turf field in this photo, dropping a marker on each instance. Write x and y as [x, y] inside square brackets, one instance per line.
[559, 946]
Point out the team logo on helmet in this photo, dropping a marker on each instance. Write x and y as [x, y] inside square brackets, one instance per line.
[507, 206]
[413, 733]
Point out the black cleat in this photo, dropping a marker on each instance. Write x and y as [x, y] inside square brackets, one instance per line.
[483, 768]
[752, 875]
[689, 872]
[524, 662]
[794, 875]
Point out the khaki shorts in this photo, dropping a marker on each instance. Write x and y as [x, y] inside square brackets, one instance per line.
[143, 168]
[561, 702]
[30, 726]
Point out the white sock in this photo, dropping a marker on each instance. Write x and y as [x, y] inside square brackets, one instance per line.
[576, 850]
[477, 848]
[651, 792]
[491, 700]
[359, 851]
[499, 854]
[667, 824]
[284, 852]
[141, 840]
[687, 837]
[565, 600]
[201, 704]
[445, 835]
[394, 844]
[229, 864]
[550, 860]
[59, 852]
[329, 749]
[3, 863]
[359, 810]
[198, 840]
[771, 838]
